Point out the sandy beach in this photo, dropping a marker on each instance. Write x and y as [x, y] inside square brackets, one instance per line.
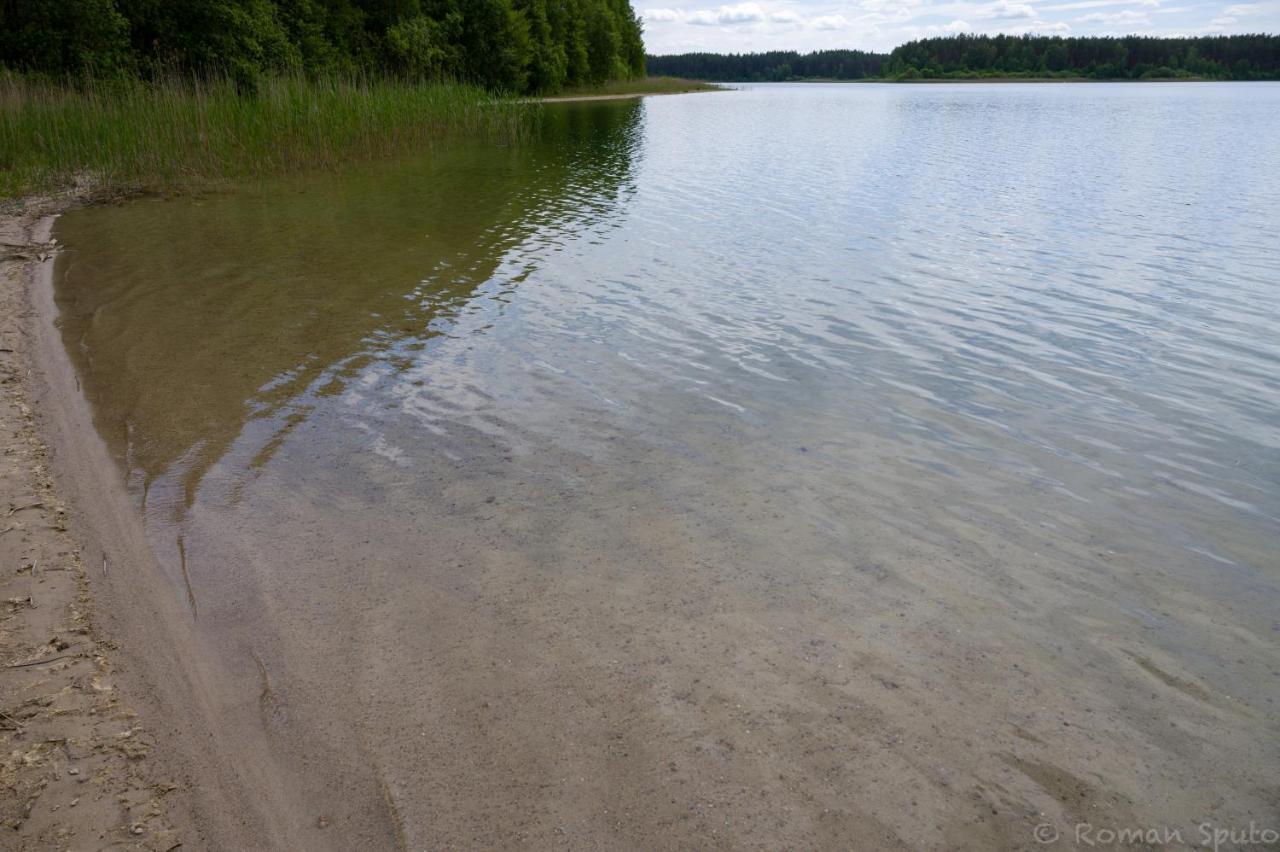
[77, 768]
[113, 734]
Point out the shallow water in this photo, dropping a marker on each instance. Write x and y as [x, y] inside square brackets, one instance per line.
[807, 464]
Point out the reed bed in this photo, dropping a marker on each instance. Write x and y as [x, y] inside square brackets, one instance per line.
[173, 133]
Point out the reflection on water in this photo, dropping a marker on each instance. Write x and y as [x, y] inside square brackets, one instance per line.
[190, 319]
[799, 465]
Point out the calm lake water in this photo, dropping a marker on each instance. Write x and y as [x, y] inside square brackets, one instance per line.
[798, 466]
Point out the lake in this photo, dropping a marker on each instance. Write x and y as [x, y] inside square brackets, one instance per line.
[801, 466]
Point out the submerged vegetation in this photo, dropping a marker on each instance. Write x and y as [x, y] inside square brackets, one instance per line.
[129, 134]
[1239, 57]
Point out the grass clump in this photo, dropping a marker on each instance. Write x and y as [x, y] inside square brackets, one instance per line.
[158, 135]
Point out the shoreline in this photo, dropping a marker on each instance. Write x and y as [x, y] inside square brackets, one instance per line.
[571, 99]
[79, 760]
[969, 80]
[1052, 80]
[132, 732]
[626, 96]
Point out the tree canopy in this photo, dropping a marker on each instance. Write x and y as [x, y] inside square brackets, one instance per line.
[1237, 57]
[513, 45]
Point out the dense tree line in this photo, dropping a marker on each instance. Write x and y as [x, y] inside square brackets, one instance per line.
[1238, 57]
[514, 45]
[772, 66]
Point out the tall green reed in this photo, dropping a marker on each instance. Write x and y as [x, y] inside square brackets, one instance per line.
[179, 132]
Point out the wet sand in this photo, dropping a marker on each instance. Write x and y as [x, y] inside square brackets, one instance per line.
[125, 738]
[78, 770]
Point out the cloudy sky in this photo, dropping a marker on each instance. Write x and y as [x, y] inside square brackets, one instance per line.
[677, 26]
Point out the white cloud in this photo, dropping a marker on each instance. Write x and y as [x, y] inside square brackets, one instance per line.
[1036, 26]
[829, 22]
[745, 13]
[956, 26]
[741, 13]
[661, 15]
[1006, 11]
[1115, 18]
[1098, 4]
[892, 6]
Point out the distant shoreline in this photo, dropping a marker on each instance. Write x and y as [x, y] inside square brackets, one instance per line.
[728, 85]
[1042, 80]
[931, 80]
[570, 99]
[966, 56]
[638, 88]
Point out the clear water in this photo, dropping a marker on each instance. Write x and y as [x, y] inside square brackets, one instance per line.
[890, 430]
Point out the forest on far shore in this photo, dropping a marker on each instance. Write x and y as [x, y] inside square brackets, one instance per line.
[535, 46]
[1236, 57]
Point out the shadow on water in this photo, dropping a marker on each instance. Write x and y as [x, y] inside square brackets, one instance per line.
[253, 304]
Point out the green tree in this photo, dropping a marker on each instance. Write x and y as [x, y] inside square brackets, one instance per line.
[64, 36]
[603, 46]
[514, 45]
[421, 47]
[1056, 57]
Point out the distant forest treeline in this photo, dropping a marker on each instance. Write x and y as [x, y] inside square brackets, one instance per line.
[773, 66]
[1239, 57]
[514, 45]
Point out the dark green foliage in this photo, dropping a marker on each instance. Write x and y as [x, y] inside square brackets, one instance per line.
[776, 65]
[78, 36]
[510, 45]
[1238, 57]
